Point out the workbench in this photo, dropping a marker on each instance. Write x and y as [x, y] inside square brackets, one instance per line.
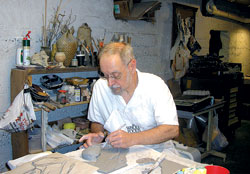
[210, 111]
[170, 160]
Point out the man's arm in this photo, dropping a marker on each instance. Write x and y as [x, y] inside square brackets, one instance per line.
[156, 135]
[96, 127]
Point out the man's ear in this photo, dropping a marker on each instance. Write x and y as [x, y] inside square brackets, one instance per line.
[132, 64]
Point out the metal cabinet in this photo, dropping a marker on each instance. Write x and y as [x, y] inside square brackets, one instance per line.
[226, 87]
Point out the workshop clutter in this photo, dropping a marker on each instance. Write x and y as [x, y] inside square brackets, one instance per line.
[20, 115]
[219, 141]
[56, 138]
[77, 51]
[54, 92]
[60, 133]
[59, 36]
[67, 131]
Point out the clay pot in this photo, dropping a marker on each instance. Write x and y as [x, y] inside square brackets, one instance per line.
[84, 35]
[67, 44]
[60, 57]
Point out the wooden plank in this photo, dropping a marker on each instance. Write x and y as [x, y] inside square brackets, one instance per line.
[20, 144]
[55, 70]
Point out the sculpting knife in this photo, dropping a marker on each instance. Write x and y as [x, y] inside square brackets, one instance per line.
[106, 141]
[157, 163]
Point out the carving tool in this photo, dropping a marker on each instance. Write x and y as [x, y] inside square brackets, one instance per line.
[50, 106]
[157, 163]
[107, 141]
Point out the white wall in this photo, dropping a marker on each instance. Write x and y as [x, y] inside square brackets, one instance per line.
[151, 42]
[239, 39]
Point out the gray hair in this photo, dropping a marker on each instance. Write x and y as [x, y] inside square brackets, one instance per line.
[124, 50]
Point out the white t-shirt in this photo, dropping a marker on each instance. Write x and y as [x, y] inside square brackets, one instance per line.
[151, 105]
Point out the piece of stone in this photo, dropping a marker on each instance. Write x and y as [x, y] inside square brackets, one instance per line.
[111, 159]
[92, 152]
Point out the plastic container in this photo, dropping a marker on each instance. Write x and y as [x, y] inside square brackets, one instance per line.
[61, 97]
[74, 62]
[35, 144]
[216, 170]
[69, 126]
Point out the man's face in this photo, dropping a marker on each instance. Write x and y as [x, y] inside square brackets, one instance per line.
[117, 74]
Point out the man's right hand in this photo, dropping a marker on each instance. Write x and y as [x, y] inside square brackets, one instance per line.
[92, 138]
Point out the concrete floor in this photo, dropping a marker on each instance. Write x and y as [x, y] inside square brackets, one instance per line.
[238, 151]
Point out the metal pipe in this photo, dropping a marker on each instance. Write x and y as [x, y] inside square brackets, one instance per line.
[212, 9]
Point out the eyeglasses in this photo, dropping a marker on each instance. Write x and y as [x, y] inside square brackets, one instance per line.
[113, 75]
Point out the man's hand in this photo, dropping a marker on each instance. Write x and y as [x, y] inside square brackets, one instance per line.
[92, 138]
[120, 139]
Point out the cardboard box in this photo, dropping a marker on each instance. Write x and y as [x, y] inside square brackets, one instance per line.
[122, 8]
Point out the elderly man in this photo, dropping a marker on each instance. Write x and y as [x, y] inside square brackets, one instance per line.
[136, 108]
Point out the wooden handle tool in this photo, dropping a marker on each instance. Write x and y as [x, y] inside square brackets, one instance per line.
[50, 106]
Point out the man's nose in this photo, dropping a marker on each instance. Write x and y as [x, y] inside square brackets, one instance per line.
[110, 82]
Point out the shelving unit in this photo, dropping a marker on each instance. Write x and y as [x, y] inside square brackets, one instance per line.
[44, 122]
[139, 11]
[32, 75]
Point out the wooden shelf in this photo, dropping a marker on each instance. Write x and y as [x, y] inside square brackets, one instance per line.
[56, 70]
[143, 11]
[67, 105]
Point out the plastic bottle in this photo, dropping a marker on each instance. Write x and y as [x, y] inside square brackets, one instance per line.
[26, 49]
[77, 94]
[19, 56]
[74, 62]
